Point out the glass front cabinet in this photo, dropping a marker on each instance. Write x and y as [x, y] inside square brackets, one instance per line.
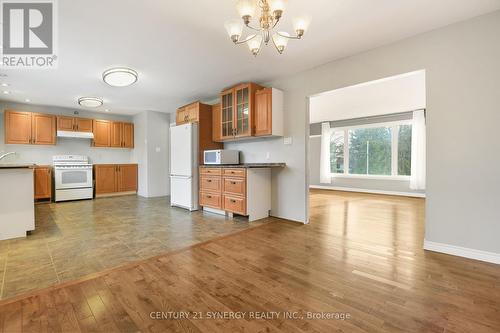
[237, 111]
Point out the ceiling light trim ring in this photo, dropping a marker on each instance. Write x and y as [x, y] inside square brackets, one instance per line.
[132, 75]
[97, 102]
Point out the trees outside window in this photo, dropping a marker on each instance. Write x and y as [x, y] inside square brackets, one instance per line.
[383, 150]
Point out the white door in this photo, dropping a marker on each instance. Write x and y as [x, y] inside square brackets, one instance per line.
[181, 192]
[181, 150]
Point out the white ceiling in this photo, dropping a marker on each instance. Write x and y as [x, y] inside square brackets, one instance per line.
[182, 52]
[394, 94]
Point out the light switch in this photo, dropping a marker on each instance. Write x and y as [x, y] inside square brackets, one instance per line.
[268, 155]
[158, 149]
[287, 140]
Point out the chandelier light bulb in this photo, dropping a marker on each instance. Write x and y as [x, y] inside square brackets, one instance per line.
[301, 24]
[246, 9]
[254, 44]
[234, 29]
[277, 5]
[280, 40]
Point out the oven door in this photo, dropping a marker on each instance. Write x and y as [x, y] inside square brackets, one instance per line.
[73, 177]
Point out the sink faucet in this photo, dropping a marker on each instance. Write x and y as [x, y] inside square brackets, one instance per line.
[7, 154]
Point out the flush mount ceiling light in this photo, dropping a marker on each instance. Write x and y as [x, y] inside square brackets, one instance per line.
[90, 102]
[271, 12]
[120, 76]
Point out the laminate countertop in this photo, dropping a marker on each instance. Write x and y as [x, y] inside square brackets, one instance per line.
[245, 165]
[17, 166]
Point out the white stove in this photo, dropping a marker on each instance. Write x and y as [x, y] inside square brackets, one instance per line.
[73, 177]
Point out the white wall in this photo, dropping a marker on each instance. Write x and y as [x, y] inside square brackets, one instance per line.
[463, 78]
[43, 154]
[395, 94]
[152, 153]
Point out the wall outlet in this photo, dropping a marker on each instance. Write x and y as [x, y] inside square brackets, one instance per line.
[287, 140]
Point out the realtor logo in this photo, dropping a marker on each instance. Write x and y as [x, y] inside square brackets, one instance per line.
[28, 33]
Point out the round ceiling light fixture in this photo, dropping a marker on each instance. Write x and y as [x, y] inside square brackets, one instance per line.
[90, 102]
[120, 76]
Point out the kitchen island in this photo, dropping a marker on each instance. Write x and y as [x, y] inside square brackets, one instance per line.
[242, 189]
[17, 208]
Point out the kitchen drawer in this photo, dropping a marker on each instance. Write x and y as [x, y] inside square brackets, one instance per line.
[211, 171]
[210, 200]
[235, 172]
[235, 204]
[210, 183]
[235, 186]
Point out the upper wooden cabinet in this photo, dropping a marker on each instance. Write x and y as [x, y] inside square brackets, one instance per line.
[268, 112]
[237, 112]
[128, 135]
[113, 134]
[102, 133]
[248, 110]
[216, 123]
[190, 113]
[29, 128]
[74, 124]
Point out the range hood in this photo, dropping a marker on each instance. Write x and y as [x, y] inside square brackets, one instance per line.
[71, 134]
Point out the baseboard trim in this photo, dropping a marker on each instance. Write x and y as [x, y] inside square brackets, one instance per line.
[362, 190]
[465, 252]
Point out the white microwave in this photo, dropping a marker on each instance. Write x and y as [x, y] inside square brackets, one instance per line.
[221, 156]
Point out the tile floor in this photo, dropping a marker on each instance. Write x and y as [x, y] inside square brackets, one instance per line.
[74, 239]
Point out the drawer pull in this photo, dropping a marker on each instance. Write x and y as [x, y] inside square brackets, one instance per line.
[209, 197]
[232, 172]
[209, 180]
[233, 183]
[233, 201]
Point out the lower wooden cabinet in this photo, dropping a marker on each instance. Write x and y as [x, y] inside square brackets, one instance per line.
[115, 179]
[43, 182]
[242, 191]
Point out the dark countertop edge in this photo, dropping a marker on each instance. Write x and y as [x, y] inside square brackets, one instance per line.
[245, 165]
[17, 166]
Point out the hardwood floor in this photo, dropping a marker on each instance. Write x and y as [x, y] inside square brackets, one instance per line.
[360, 258]
[74, 239]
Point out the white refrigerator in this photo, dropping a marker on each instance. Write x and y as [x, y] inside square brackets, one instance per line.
[184, 166]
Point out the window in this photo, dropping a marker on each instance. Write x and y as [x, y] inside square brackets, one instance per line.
[372, 150]
[337, 153]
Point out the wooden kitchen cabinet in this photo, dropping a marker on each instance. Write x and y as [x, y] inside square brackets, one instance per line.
[115, 179]
[74, 124]
[17, 127]
[116, 134]
[237, 112]
[43, 129]
[242, 191]
[102, 133]
[268, 112]
[122, 135]
[127, 177]
[128, 135]
[29, 128]
[43, 182]
[216, 123]
[190, 113]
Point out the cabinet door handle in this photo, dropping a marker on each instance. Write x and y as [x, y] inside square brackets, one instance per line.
[233, 183]
[209, 197]
[209, 181]
[233, 201]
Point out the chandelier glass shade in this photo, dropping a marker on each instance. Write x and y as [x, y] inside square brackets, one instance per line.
[267, 15]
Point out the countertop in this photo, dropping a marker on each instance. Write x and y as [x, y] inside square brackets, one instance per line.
[17, 166]
[245, 165]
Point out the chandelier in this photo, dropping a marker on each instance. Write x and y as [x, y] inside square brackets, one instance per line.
[271, 12]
